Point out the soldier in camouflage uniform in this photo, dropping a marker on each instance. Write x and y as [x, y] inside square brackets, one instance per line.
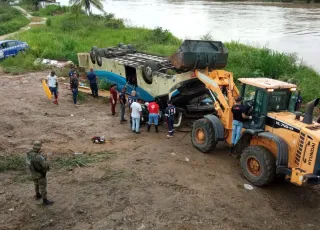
[38, 166]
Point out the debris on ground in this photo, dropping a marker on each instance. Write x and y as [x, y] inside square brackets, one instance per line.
[187, 159]
[173, 154]
[248, 186]
[98, 140]
[52, 63]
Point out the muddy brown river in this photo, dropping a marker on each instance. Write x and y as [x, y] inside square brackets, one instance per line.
[290, 28]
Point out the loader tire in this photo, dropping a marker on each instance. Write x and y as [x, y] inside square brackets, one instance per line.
[203, 135]
[258, 165]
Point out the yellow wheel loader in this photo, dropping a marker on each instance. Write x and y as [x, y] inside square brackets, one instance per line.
[276, 140]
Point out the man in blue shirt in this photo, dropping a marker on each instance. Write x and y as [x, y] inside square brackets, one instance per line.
[169, 113]
[93, 79]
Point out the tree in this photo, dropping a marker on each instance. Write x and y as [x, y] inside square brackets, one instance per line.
[87, 5]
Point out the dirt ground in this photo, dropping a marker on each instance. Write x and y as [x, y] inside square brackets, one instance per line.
[141, 181]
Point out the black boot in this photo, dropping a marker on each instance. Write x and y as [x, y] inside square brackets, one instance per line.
[149, 126]
[47, 202]
[231, 149]
[38, 196]
[156, 126]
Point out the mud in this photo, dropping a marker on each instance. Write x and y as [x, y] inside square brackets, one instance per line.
[139, 182]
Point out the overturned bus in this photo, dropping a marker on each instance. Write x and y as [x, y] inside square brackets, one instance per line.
[160, 78]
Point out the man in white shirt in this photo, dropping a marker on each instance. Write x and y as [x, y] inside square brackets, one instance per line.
[136, 113]
[53, 85]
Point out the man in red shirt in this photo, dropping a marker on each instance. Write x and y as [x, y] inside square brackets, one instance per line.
[153, 108]
[113, 98]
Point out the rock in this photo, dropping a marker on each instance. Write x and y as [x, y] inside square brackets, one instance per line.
[80, 211]
[141, 227]
[11, 209]
[33, 215]
[1, 192]
[310, 225]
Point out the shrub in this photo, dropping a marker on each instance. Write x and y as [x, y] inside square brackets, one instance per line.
[12, 162]
[48, 22]
[104, 85]
[51, 10]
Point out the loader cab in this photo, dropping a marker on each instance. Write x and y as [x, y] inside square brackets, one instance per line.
[255, 100]
[263, 95]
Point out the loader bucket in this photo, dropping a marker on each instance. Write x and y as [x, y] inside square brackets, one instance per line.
[198, 54]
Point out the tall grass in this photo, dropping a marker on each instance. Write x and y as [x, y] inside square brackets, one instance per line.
[67, 35]
[247, 61]
[22, 63]
[11, 19]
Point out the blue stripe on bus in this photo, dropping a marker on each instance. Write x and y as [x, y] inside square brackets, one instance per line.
[121, 81]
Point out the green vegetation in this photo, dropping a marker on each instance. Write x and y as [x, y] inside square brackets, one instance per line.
[73, 162]
[17, 162]
[104, 85]
[68, 34]
[11, 19]
[20, 64]
[247, 61]
[51, 10]
[12, 162]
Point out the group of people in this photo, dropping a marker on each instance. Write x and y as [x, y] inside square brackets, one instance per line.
[134, 105]
[52, 82]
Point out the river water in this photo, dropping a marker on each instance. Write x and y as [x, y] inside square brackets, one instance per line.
[290, 28]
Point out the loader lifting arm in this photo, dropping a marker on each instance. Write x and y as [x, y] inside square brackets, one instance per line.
[223, 101]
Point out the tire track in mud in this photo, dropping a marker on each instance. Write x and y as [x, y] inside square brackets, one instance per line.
[177, 187]
[196, 166]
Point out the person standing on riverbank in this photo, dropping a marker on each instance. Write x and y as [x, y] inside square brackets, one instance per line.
[153, 108]
[132, 98]
[113, 98]
[74, 84]
[38, 167]
[169, 113]
[136, 114]
[93, 79]
[123, 101]
[52, 82]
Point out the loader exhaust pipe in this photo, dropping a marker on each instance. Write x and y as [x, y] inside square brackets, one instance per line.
[308, 117]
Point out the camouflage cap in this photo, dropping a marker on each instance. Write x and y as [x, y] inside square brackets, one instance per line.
[37, 145]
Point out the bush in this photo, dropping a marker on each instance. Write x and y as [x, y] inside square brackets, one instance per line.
[51, 10]
[48, 22]
[104, 85]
